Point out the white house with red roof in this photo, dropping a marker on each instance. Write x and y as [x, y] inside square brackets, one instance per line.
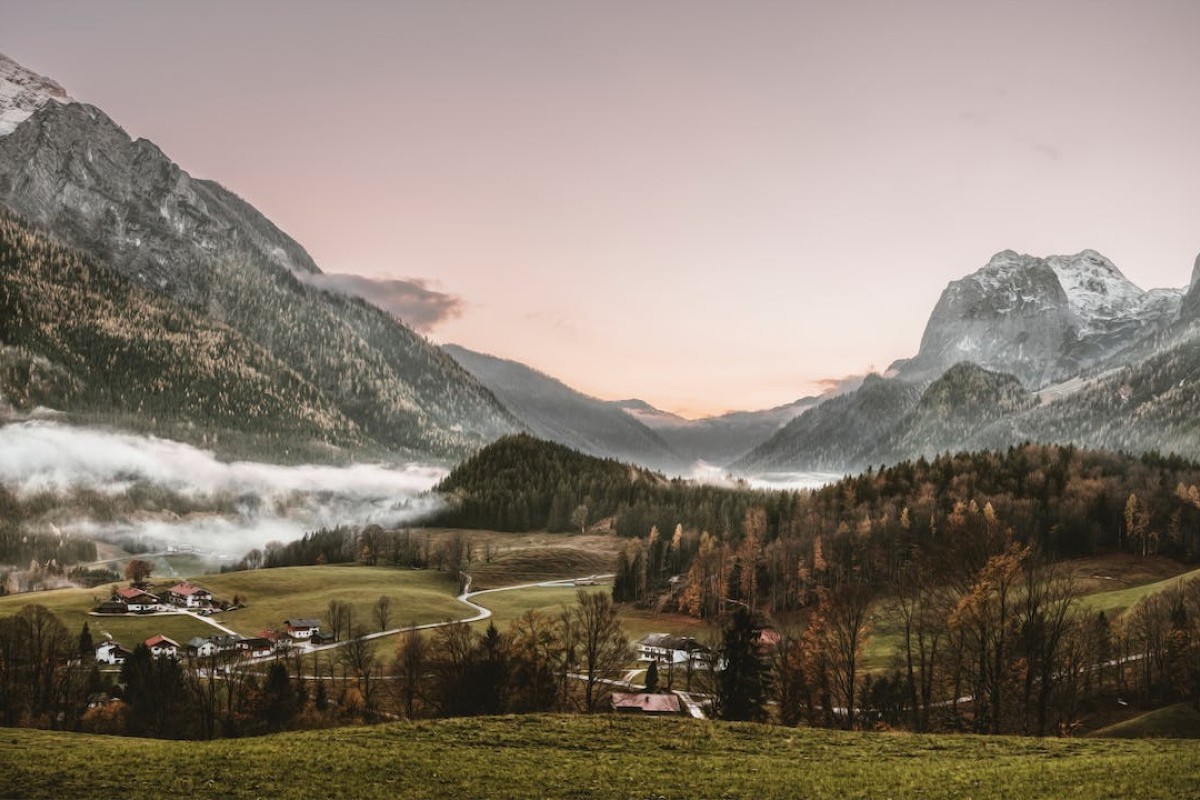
[302, 628]
[162, 647]
[137, 600]
[186, 595]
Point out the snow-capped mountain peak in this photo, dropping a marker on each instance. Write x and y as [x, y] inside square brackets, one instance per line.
[23, 92]
[1096, 290]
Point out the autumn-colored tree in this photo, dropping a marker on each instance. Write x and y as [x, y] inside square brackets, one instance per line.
[138, 570]
[599, 641]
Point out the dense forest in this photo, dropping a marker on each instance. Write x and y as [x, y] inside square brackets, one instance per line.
[1063, 500]
[520, 483]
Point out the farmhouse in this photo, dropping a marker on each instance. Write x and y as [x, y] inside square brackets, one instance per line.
[185, 595]
[111, 653]
[113, 607]
[302, 628]
[225, 642]
[136, 600]
[199, 647]
[667, 649]
[256, 647]
[162, 647]
[654, 704]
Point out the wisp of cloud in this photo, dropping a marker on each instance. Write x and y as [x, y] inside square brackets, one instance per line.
[273, 502]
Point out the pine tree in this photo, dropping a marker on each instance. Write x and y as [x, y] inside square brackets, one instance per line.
[652, 677]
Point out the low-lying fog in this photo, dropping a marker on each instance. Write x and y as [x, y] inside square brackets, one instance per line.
[249, 504]
[703, 472]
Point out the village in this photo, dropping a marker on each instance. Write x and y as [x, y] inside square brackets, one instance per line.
[295, 635]
[667, 661]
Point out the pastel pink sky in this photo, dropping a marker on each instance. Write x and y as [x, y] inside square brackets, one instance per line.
[706, 205]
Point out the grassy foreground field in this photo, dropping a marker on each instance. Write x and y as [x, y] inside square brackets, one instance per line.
[595, 757]
[1180, 721]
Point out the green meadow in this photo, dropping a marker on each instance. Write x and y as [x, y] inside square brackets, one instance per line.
[601, 756]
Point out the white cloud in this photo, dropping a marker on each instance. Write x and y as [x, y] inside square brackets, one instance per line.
[272, 502]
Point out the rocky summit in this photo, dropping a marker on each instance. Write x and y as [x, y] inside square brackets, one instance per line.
[1041, 319]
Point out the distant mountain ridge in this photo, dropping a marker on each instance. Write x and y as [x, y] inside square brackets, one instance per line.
[1126, 364]
[553, 411]
[718, 440]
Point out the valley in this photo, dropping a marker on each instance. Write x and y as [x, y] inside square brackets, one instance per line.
[565, 463]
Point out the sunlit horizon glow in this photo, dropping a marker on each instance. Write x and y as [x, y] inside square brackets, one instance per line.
[705, 205]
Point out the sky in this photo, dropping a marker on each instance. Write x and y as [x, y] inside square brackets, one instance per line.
[706, 205]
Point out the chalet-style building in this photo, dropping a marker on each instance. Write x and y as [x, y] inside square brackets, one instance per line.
[255, 647]
[668, 650]
[185, 595]
[137, 600]
[162, 647]
[652, 704]
[302, 628]
[111, 653]
[199, 647]
[225, 642]
[113, 607]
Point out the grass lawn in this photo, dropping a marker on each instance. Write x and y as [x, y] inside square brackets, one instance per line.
[1117, 600]
[273, 595]
[601, 756]
[507, 606]
[531, 564]
[72, 607]
[1180, 721]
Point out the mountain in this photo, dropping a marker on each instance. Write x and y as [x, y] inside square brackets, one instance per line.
[554, 411]
[22, 92]
[840, 435]
[69, 169]
[953, 410]
[1189, 310]
[81, 338]
[1041, 319]
[718, 440]
[1148, 405]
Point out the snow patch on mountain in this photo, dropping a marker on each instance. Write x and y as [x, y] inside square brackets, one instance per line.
[22, 92]
[1097, 291]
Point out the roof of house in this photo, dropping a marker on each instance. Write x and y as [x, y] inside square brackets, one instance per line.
[158, 640]
[254, 642]
[184, 589]
[130, 593]
[111, 645]
[668, 641]
[651, 703]
[302, 623]
[196, 642]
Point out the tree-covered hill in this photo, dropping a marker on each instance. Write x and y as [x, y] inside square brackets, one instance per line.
[521, 483]
[1066, 501]
[78, 337]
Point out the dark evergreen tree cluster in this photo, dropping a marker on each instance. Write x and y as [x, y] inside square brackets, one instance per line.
[520, 483]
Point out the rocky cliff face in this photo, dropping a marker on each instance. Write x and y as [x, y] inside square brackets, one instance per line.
[1012, 315]
[22, 92]
[1041, 319]
[1189, 310]
[70, 168]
